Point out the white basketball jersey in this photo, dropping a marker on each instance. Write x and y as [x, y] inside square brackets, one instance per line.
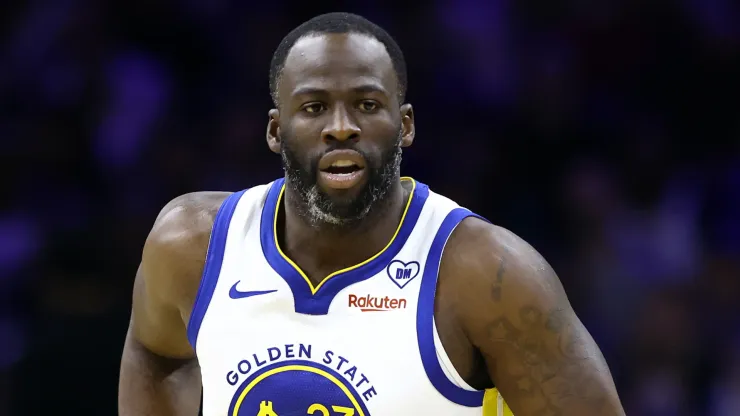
[363, 342]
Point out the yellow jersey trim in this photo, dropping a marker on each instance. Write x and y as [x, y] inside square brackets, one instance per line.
[316, 288]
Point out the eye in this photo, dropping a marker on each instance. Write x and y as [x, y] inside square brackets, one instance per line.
[369, 106]
[314, 108]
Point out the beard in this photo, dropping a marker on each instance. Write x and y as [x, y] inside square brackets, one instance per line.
[319, 208]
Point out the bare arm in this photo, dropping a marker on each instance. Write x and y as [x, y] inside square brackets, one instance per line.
[159, 373]
[515, 311]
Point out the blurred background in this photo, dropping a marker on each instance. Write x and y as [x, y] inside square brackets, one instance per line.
[605, 133]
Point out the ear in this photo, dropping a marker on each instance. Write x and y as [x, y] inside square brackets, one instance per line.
[273, 130]
[408, 129]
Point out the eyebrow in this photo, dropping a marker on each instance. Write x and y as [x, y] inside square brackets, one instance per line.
[363, 88]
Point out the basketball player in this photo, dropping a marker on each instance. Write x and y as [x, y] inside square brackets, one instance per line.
[343, 288]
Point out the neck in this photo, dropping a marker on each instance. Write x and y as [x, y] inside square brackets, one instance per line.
[325, 248]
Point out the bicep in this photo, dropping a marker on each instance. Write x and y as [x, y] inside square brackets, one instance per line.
[159, 374]
[159, 370]
[537, 352]
[169, 274]
[156, 321]
[543, 359]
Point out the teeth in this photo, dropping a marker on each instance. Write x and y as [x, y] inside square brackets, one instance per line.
[343, 163]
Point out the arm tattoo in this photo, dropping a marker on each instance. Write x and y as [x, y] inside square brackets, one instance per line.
[554, 369]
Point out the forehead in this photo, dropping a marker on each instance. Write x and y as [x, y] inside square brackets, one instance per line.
[336, 61]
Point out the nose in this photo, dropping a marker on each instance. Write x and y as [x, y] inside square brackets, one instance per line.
[340, 127]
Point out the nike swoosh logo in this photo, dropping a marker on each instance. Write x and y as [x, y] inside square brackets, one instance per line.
[234, 293]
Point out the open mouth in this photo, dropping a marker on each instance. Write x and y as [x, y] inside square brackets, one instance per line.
[342, 167]
[342, 174]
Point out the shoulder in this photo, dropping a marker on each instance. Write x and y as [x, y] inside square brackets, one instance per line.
[476, 246]
[492, 270]
[175, 249]
[184, 225]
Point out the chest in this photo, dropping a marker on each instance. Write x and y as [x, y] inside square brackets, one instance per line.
[272, 342]
[359, 355]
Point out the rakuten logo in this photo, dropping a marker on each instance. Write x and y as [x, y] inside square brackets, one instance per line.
[369, 303]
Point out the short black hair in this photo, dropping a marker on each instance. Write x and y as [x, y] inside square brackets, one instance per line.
[338, 23]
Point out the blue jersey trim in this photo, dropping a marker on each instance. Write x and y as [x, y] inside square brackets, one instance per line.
[425, 316]
[312, 301]
[212, 267]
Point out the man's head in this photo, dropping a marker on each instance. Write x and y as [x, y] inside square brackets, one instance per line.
[338, 82]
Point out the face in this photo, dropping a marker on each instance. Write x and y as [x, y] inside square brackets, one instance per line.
[339, 127]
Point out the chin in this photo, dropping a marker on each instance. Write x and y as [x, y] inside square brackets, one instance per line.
[338, 211]
[342, 198]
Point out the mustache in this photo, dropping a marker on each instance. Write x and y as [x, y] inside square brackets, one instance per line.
[345, 145]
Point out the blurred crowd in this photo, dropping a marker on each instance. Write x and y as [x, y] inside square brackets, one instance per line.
[605, 133]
